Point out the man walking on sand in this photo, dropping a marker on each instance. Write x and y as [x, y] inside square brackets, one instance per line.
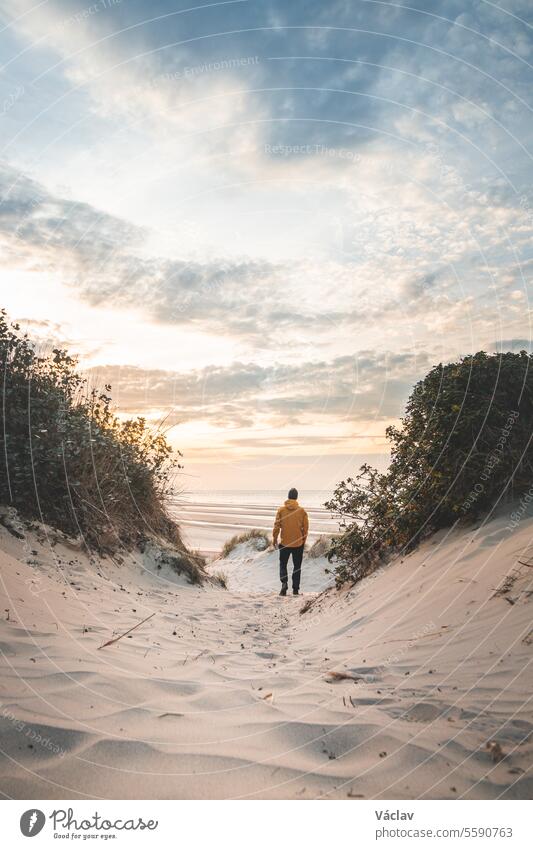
[293, 523]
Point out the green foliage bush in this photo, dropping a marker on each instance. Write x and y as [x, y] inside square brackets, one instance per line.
[463, 446]
[67, 460]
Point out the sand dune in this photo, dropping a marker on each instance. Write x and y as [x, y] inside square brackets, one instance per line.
[227, 694]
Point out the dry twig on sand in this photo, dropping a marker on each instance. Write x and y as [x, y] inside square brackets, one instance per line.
[307, 605]
[342, 676]
[495, 750]
[116, 639]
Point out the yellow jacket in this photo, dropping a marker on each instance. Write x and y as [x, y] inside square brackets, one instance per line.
[293, 522]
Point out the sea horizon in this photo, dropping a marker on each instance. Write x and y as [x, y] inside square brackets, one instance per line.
[265, 497]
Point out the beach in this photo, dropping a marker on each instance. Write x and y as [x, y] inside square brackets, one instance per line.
[208, 519]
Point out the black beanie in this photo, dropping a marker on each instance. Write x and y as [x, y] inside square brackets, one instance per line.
[293, 493]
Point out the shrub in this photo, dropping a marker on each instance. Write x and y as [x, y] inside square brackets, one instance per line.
[464, 444]
[67, 460]
[259, 539]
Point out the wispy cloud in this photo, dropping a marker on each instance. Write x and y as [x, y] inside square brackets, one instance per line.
[369, 385]
[340, 192]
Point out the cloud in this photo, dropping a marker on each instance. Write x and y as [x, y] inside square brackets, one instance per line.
[390, 268]
[336, 75]
[367, 386]
[515, 345]
[337, 189]
[407, 225]
[34, 219]
[93, 252]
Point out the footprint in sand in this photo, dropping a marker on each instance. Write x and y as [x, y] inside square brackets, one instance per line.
[424, 712]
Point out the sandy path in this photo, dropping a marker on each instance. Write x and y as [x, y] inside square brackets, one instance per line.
[225, 694]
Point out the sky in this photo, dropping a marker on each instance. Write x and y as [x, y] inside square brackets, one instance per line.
[264, 220]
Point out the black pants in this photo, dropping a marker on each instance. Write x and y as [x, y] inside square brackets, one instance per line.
[297, 555]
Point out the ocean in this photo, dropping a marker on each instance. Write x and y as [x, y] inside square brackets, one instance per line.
[262, 497]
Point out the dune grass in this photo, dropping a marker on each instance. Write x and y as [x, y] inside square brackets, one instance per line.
[260, 540]
[320, 547]
[220, 578]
